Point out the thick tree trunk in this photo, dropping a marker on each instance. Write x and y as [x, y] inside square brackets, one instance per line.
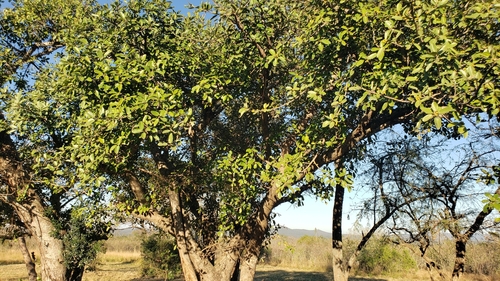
[247, 267]
[31, 210]
[52, 266]
[51, 249]
[28, 260]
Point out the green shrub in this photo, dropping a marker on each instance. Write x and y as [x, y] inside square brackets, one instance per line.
[160, 256]
[381, 257]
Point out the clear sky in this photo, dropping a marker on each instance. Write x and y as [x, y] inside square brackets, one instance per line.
[317, 214]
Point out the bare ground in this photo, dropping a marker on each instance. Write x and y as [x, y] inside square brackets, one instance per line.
[131, 272]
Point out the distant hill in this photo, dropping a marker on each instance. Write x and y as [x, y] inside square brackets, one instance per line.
[297, 233]
[125, 231]
[294, 233]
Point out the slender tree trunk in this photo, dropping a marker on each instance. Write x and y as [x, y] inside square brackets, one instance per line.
[190, 267]
[28, 261]
[458, 268]
[339, 269]
[75, 274]
[339, 272]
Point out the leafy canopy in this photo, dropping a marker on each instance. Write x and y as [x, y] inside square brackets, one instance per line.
[241, 106]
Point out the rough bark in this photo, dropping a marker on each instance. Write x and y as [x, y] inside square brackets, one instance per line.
[247, 268]
[458, 268]
[339, 269]
[30, 210]
[28, 259]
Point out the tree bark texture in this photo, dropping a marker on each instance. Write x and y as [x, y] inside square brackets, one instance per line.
[30, 210]
[28, 260]
[339, 269]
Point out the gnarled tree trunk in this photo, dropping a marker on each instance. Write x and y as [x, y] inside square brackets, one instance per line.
[28, 259]
[52, 266]
[30, 210]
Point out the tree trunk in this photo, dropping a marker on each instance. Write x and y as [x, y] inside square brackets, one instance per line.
[458, 268]
[339, 272]
[28, 260]
[50, 248]
[75, 274]
[31, 210]
[339, 269]
[247, 267]
[188, 269]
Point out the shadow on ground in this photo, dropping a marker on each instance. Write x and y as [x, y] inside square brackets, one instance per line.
[282, 275]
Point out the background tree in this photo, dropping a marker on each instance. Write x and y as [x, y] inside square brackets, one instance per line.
[448, 180]
[377, 174]
[419, 54]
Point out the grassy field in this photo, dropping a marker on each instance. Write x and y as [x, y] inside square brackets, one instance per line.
[307, 258]
[117, 267]
[131, 272]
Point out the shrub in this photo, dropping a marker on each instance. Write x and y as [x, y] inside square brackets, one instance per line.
[381, 257]
[160, 256]
[307, 252]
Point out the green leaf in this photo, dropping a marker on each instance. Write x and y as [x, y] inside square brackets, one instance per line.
[437, 122]
[138, 128]
[381, 53]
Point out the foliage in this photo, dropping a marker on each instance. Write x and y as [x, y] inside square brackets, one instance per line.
[160, 256]
[381, 257]
[306, 252]
[82, 241]
[41, 189]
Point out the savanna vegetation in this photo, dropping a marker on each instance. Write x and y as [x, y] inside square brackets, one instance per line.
[202, 124]
[303, 258]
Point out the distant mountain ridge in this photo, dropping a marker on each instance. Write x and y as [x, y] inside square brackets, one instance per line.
[295, 233]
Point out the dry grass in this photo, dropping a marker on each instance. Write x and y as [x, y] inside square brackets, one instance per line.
[10, 256]
[306, 258]
[118, 257]
[131, 272]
